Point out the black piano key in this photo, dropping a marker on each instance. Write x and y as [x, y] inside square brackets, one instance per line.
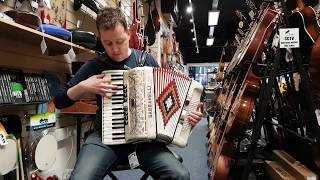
[117, 95]
[117, 79]
[116, 98]
[117, 103]
[118, 134]
[117, 109]
[118, 127]
[117, 123]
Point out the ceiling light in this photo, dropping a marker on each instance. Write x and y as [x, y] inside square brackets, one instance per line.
[213, 17]
[192, 30]
[193, 39]
[210, 41]
[191, 20]
[211, 31]
[189, 9]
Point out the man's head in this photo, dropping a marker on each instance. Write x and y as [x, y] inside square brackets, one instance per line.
[113, 32]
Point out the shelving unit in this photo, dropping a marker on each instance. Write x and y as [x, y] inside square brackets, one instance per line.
[21, 33]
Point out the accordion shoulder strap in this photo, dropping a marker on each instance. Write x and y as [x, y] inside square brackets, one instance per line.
[142, 58]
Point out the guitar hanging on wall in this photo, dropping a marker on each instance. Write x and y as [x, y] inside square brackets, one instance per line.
[135, 28]
[149, 29]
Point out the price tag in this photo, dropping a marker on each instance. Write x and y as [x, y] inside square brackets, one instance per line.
[3, 135]
[43, 46]
[71, 54]
[34, 4]
[133, 160]
[3, 140]
[317, 111]
[289, 38]
[251, 14]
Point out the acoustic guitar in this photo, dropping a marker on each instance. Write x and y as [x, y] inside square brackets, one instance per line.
[255, 41]
[314, 71]
[238, 118]
[217, 128]
[304, 18]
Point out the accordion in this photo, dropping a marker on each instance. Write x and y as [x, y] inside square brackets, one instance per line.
[150, 104]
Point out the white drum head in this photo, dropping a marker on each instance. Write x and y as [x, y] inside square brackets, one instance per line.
[46, 151]
[8, 156]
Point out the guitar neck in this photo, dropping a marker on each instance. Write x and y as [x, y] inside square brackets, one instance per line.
[134, 12]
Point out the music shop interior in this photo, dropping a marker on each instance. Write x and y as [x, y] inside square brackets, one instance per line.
[234, 92]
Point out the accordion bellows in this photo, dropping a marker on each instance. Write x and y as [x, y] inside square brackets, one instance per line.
[151, 104]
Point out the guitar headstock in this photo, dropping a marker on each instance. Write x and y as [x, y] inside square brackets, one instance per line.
[243, 20]
[254, 10]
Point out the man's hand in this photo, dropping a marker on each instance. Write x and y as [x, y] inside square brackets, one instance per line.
[96, 84]
[195, 116]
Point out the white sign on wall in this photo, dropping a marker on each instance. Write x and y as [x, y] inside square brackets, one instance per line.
[289, 38]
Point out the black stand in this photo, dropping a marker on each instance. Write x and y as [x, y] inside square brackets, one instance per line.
[261, 111]
[79, 124]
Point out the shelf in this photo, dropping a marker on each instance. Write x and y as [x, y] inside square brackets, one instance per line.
[21, 33]
[21, 104]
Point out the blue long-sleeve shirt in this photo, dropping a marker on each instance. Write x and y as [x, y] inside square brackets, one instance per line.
[94, 67]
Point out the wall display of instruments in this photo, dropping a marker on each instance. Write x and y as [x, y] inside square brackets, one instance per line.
[152, 104]
[17, 87]
[270, 90]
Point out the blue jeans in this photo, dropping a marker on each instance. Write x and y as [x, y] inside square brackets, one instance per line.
[95, 159]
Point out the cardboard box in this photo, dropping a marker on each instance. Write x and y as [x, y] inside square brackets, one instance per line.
[294, 167]
[276, 172]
